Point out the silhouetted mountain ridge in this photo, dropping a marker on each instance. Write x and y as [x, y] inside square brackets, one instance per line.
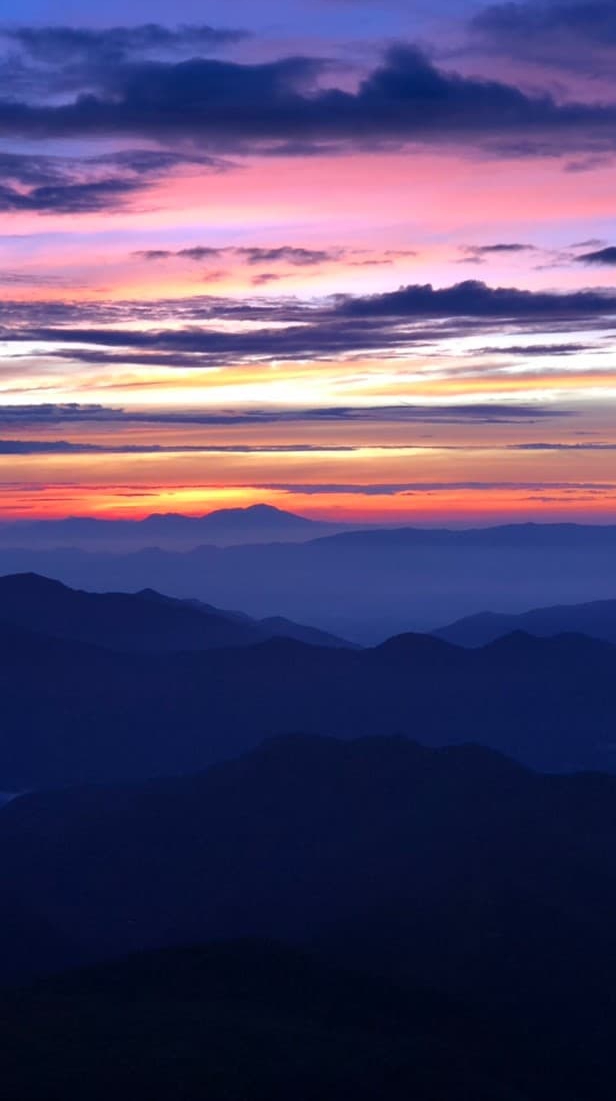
[365, 586]
[227, 526]
[523, 534]
[73, 712]
[596, 619]
[145, 621]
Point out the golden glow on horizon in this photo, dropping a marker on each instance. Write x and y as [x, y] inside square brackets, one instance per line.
[483, 505]
[423, 213]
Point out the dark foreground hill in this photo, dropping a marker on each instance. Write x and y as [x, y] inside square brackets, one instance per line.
[145, 621]
[74, 713]
[453, 869]
[596, 619]
[247, 1021]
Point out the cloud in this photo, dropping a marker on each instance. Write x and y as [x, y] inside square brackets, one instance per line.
[475, 299]
[196, 252]
[603, 256]
[77, 185]
[528, 351]
[264, 278]
[476, 254]
[70, 198]
[67, 447]
[406, 489]
[254, 255]
[288, 329]
[540, 350]
[210, 346]
[43, 447]
[32, 279]
[574, 20]
[485, 250]
[227, 105]
[48, 60]
[570, 34]
[57, 44]
[288, 254]
[540, 446]
[49, 414]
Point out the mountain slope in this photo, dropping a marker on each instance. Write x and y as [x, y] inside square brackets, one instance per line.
[247, 1020]
[74, 713]
[456, 869]
[363, 585]
[140, 622]
[596, 619]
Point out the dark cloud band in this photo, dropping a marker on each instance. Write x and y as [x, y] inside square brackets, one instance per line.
[488, 413]
[279, 105]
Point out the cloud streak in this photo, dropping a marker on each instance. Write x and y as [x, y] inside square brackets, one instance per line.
[68, 447]
[254, 255]
[63, 185]
[286, 329]
[603, 257]
[405, 489]
[484, 413]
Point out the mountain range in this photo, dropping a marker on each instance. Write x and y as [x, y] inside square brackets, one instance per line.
[454, 870]
[143, 621]
[596, 619]
[222, 527]
[207, 895]
[362, 585]
[76, 710]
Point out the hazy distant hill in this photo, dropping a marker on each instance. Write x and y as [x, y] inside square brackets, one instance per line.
[224, 527]
[247, 1021]
[524, 535]
[146, 621]
[73, 712]
[365, 585]
[457, 869]
[597, 619]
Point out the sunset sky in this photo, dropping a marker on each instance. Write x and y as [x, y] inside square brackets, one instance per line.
[355, 259]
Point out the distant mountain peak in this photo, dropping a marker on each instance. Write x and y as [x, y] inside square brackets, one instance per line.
[263, 509]
[260, 511]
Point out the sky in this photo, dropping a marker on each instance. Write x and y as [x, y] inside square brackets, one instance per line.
[354, 259]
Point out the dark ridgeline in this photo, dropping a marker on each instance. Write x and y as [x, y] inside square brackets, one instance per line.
[74, 712]
[363, 585]
[454, 870]
[596, 619]
[398, 920]
[260, 523]
[144, 621]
